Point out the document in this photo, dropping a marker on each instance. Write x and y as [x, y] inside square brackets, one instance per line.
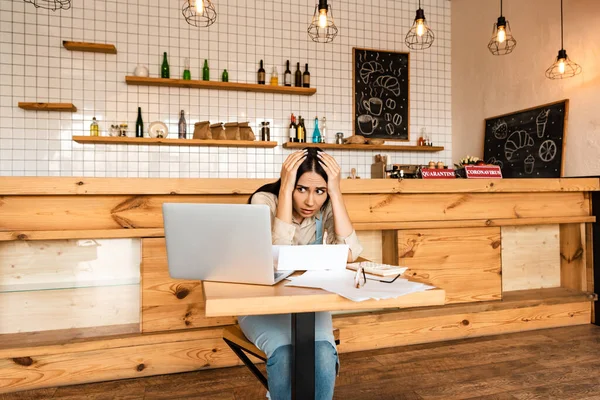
[311, 257]
[342, 283]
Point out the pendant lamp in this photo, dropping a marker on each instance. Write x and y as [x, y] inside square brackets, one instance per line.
[502, 41]
[51, 4]
[562, 67]
[199, 13]
[420, 36]
[322, 29]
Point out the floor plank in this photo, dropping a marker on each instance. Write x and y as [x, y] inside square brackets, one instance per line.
[545, 364]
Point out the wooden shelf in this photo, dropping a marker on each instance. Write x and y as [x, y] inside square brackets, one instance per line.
[173, 142]
[90, 47]
[244, 87]
[386, 147]
[48, 106]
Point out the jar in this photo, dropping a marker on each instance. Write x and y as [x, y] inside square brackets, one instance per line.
[113, 130]
[431, 164]
[339, 138]
[440, 165]
[123, 130]
[265, 131]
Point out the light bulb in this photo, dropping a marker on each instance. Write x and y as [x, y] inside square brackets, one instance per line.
[561, 66]
[323, 18]
[420, 27]
[501, 34]
[199, 6]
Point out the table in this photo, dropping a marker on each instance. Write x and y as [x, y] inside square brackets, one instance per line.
[233, 299]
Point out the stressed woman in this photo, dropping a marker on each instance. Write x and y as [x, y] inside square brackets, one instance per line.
[306, 208]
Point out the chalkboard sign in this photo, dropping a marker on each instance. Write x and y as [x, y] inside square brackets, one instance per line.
[528, 143]
[381, 94]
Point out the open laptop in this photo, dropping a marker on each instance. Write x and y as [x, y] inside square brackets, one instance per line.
[220, 242]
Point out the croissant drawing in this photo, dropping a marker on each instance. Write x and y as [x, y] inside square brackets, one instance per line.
[390, 83]
[369, 68]
[516, 141]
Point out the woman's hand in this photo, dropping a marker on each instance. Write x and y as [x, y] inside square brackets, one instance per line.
[334, 172]
[289, 169]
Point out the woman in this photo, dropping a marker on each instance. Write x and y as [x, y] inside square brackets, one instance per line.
[306, 206]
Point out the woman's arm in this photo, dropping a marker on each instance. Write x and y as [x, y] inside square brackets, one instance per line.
[288, 182]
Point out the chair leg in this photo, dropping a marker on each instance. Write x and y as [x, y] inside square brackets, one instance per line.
[242, 356]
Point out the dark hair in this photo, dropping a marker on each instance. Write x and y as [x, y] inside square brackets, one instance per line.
[310, 164]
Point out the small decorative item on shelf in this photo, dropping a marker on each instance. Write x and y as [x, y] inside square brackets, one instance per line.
[265, 131]
[205, 71]
[164, 68]
[113, 130]
[182, 127]
[141, 71]
[225, 76]
[158, 130]
[274, 77]
[94, 128]
[355, 139]
[261, 74]
[339, 138]
[187, 75]
[123, 130]
[353, 174]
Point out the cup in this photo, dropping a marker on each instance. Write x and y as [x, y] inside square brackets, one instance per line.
[529, 163]
[367, 124]
[374, 105]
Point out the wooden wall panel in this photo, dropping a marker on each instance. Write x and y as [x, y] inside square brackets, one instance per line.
[371, 242]
[530, 257]
[170, 304]
[465, 262]
[573, 256]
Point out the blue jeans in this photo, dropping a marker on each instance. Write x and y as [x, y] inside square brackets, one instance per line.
[279, 370]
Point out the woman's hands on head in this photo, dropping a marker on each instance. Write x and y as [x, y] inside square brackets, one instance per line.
[334, 172]
[289, 169]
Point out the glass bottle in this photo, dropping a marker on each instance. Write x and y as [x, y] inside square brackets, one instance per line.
[261, 74]
[139, 124]
[298, 76]
[182, 126]
[301, 130]
[94, 128]
[187, 75]
[287, 76]
[205, 72]
[265, 131]
[292, 129]
[316, 133]
[306, 77]
[164, 69]
[225, 76]
[421, 141]
[274, 77]
[325, 132]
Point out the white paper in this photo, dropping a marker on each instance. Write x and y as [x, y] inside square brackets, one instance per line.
[342, 283]
[312, 257]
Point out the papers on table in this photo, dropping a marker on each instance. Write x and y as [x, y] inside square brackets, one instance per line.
[310, 257]
[342, 283]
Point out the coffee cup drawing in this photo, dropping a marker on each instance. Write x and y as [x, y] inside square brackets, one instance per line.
[367, 124]
[373, 105]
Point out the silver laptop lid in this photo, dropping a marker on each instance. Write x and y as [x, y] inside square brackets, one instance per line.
[219, 242]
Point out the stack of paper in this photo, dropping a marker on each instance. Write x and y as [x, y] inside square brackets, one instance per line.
[342, 283]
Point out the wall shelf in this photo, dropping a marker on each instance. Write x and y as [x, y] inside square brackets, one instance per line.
[90, 47]
[48, 106]
[384, 147]
[244, 87]
[173, 142]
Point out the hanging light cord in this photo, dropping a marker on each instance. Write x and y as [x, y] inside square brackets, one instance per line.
[500, 7]
[419, 3]
[562, 46]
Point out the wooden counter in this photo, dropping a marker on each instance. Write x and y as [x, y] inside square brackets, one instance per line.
[511, 255]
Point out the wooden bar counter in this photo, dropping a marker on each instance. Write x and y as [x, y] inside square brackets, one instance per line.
[85, 293]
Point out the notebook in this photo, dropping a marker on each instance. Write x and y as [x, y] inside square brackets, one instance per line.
[377, 268]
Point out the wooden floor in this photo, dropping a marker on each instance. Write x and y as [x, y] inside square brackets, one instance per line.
[561, 363]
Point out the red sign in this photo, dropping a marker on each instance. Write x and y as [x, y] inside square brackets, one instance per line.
[483, 171]
[432, 173]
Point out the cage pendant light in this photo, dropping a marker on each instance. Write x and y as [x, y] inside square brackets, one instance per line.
[502, 41]
[420, 36]
[199, 13]
[562, 67]
[51, 4]
[322, 28]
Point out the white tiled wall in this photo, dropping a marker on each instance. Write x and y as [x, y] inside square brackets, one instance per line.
[35, 67]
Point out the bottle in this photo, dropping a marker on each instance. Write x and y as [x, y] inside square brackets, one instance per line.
[265, 132]
[205, 72]
[298, 76]
[261, 74]
[292, 130]
[316, 133]
[301, 131]
[182, 126]
[139, 124]
[225, 76]
[186, 70]
[325, 132]
[94, 128]
[421, 141]
[164, 69]
[274, 77]
[306, 77]
[287, 76]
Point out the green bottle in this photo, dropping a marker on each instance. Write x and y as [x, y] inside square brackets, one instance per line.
[139, 124]
[205, 72]
[186, 70]
[225, 77]
[164, 69]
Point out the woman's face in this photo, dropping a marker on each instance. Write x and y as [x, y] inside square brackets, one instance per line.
[309, 195]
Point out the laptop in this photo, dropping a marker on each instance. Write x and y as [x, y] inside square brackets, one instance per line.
[220, 242]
